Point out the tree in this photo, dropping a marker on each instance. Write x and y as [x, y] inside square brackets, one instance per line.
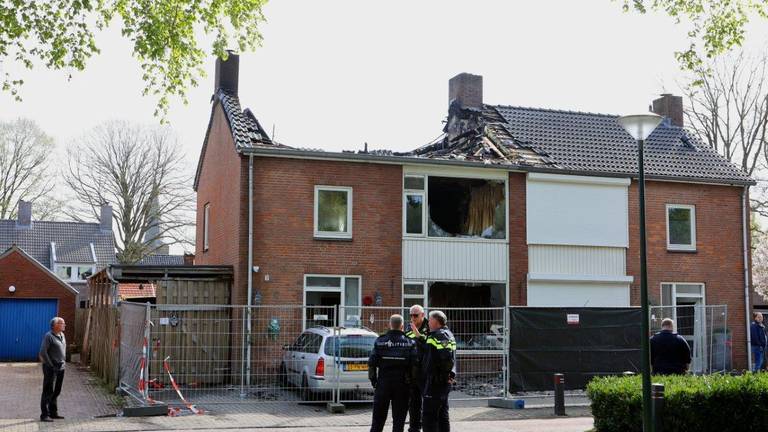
[25, 173]
[715, 26]
[62, 35]
[728, 108]
[140, 172]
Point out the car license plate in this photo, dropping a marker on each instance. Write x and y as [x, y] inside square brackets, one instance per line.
[357, 367]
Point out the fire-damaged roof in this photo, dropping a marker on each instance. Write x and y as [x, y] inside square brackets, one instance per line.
[575, 141]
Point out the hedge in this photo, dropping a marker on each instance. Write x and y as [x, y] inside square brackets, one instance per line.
[692, 403]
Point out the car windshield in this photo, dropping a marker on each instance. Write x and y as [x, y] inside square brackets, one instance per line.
[350, 346]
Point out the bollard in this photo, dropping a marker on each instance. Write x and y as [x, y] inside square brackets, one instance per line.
[657, 406]
[559, 394]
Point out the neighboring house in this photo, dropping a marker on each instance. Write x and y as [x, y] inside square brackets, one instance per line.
[71, 250]
[511, 206]
[30, 295]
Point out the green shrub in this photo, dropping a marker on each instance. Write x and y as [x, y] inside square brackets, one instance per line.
[718, 403]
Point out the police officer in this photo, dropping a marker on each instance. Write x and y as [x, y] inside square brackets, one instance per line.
[438, 368]
[391, 370]
[419, 329]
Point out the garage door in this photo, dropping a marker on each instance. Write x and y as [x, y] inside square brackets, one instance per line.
[23, 322]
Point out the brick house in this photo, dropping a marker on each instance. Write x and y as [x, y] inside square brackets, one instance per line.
[511, 206]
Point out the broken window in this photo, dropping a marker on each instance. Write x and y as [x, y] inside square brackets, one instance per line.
[475, 312]
[461, 207]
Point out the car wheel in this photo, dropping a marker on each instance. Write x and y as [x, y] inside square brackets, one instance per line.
[282, 375]
[306, 392]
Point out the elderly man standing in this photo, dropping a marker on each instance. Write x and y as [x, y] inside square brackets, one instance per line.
[52, 355]
[419, 329]
[438, 368]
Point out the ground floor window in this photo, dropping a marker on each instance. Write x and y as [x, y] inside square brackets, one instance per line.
[684, 303]
[323, 294]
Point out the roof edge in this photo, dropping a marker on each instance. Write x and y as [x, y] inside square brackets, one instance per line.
[39, 265]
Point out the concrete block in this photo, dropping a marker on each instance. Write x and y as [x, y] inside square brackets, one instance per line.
[335, 408]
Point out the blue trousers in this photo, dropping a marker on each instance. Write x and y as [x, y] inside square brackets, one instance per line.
[387, 392]
[759, 353]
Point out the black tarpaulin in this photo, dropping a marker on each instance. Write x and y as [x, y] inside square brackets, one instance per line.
[578, 342]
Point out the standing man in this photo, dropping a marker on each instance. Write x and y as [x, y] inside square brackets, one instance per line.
[53, 352]
[391, 369]
[439, 370]
[670, 353]
[419, 329]
[758, 340]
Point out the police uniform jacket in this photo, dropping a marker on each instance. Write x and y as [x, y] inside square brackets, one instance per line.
[438, 365]
[393, 359]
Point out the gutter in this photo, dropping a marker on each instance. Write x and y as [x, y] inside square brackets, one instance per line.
[248, 323]
[745, 232]
[410, 160]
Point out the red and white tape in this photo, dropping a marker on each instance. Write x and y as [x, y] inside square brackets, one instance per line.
[191, 407]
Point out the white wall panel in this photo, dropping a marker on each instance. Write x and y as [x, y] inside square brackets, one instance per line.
[569, 294]
[576, 210]
[466, 260]
[577, 260]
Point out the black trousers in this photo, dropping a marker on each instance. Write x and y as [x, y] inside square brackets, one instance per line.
[52, 380]
[398, 394]
[414, 410]
[435, 414]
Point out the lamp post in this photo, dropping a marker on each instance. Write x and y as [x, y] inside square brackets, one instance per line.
[640, 126]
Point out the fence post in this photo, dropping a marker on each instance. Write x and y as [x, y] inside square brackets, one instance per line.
[147, 341]
[507, 331]
[657, 397]
[559, 394]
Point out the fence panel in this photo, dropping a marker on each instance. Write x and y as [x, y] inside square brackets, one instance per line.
[132, 333]
[706, 330]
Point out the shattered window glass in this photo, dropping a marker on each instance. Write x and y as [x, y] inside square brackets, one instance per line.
[332, 211]
[466, 208]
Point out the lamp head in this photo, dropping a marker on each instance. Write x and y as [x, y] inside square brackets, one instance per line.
[640, 126]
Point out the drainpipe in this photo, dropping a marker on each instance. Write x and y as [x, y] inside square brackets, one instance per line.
[745, 232]
[250, 271]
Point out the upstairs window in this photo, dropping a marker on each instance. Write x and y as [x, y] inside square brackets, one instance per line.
[333, 212]
[413, 205]
[74, 273]
[681, 227]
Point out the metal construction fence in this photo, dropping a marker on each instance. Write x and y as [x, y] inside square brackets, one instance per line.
[210, 354]
[706, 330]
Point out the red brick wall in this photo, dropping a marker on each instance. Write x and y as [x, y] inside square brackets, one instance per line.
[284, 247]
[518, 243]
[223, 184]
[718, 260]
[32, 282]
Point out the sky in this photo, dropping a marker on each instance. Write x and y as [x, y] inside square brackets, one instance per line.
[336, 74]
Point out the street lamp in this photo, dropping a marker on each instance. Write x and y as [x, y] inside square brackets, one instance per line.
[640, 126]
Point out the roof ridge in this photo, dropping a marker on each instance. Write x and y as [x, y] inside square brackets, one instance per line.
[564, 111]
[55, 222]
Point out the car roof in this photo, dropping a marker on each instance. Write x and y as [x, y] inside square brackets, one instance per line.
[343, 331]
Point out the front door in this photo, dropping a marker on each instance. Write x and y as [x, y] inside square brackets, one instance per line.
[326, 295]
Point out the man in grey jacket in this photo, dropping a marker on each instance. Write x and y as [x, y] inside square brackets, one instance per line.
[53, 352]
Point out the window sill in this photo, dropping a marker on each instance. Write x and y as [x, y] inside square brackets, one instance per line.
[333, 239]
[683, 251]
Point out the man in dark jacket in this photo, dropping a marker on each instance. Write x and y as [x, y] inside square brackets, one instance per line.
[419, 330]
[670, 353]
[438, 368]
[758, 340]
[52, 355]
[391, 369]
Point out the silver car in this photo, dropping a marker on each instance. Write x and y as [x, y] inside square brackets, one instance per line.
[324, 358]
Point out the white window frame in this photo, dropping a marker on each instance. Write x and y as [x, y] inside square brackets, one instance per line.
[73, 278]
[330, 234]
[340, 290]
[702, 296]
[682, 247]
[422, 297]
[456, 174]
[206, 225]
[423, 194]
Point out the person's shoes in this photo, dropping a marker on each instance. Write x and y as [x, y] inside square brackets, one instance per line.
[46, 419]
[57, 417]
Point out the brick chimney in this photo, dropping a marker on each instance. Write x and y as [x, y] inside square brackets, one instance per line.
[671, 107]
[227, 73]
[466, 90]
[24, 214]
[105, 218]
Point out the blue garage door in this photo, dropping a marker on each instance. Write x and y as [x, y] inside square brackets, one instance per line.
[23, 322]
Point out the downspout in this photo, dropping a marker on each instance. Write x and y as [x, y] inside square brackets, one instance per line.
[745, 232]
[250, 271]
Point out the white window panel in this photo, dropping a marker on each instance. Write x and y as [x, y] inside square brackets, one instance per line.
[206, 225]
[333, 212]
[569, 294]
[681, 227]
